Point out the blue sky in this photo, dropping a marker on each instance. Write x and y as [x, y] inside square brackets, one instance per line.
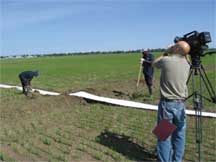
[54, 26]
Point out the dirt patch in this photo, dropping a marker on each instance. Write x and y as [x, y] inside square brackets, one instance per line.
[118, 93]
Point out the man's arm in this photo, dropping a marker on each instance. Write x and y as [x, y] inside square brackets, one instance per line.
[149, 61]
[187, 57]
[157, 61]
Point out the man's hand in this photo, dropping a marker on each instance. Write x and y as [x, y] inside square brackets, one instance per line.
[170, 45]
[29, 88]
[142, 60]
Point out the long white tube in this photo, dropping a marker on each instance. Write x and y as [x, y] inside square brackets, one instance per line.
[113, 101]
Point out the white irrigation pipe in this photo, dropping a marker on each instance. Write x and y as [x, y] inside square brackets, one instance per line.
[133, 104]
[119, 102]
[42, 92]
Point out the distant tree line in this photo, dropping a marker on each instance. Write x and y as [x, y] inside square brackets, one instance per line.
[89, 53]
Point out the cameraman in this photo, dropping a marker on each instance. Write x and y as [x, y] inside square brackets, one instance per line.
[173, 88]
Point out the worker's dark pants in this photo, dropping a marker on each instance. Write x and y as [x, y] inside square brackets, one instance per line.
[24, 85]
[149, 82]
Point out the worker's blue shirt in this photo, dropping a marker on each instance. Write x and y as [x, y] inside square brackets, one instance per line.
[148, 70]
[27, 75]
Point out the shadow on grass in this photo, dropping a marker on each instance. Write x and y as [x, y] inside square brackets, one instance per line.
[123, 145]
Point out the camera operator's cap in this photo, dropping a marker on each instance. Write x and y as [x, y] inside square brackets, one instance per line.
[185, 47]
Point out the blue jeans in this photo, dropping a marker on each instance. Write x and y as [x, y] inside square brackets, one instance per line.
[172, 149]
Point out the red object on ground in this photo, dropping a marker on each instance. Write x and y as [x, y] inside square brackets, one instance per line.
[164, 129]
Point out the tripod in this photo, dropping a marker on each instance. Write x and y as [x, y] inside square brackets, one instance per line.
[197, 91]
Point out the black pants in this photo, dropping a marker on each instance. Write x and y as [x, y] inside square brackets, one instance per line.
[24, 83]
[149, 82]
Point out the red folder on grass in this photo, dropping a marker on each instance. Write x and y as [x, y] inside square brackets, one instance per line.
[164, 129]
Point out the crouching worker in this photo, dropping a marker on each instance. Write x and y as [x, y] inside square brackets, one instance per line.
[25, 78]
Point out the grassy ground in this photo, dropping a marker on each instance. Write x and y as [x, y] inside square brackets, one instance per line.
[63, 128]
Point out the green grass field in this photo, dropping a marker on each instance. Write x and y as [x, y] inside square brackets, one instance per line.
[63, 128]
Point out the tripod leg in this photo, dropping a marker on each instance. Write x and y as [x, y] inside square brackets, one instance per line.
[199, 132]
[191, 71]
[197, 102]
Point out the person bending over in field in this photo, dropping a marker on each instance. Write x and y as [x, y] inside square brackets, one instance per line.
[148, 70]
[25, 78]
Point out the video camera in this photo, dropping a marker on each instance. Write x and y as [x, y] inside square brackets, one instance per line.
[197, 42]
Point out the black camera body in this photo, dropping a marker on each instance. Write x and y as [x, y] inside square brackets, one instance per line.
[197, 42]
